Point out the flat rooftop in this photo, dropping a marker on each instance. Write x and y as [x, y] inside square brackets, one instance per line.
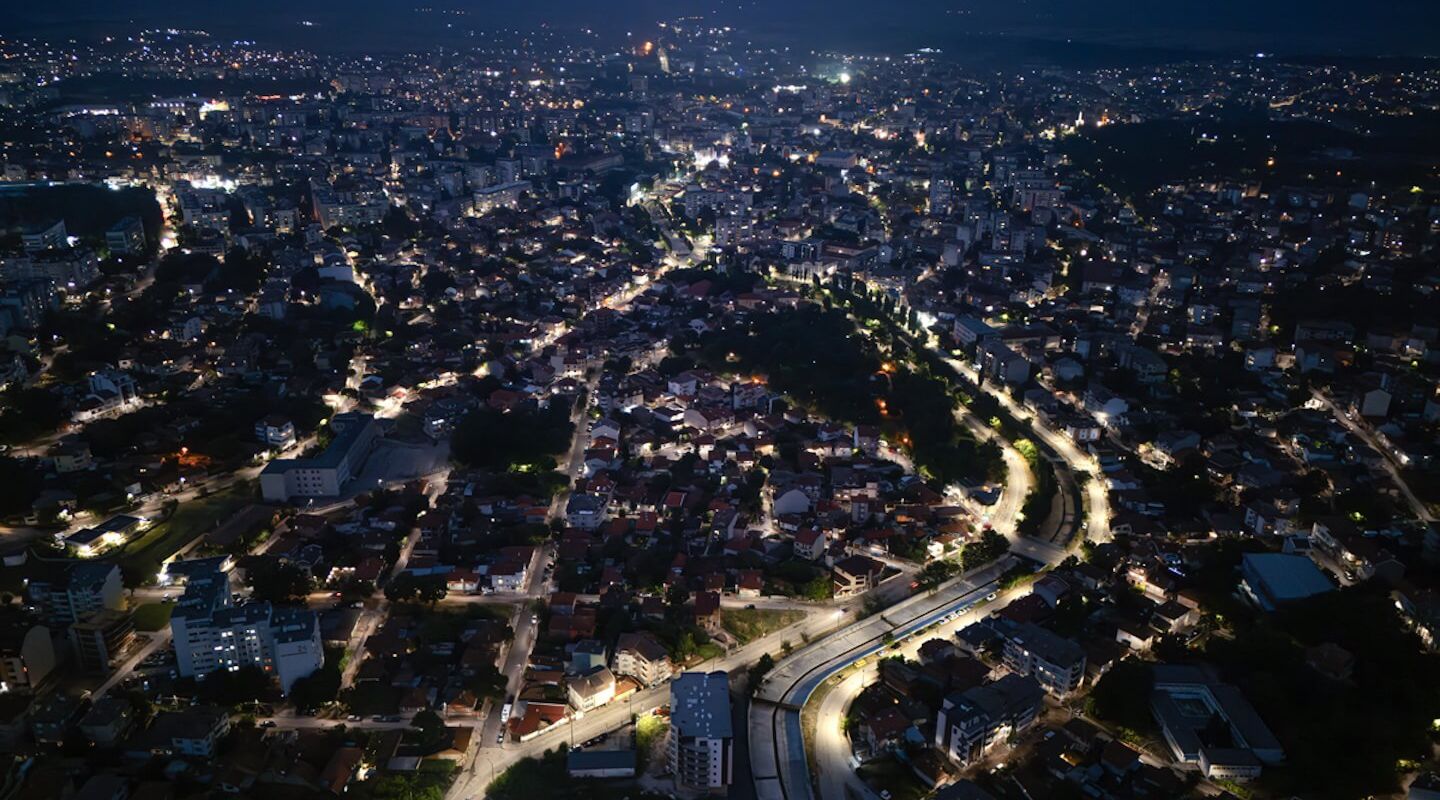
[700, 705]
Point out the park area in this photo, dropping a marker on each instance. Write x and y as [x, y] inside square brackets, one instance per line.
[152, 616]
[140, 560]
[749, 624]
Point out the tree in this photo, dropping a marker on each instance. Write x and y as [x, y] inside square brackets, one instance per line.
[409, 588]
[988, 548]
[1122, 697]
[487, 682]
[937, 572]
[354, 589]
[279, 582]
[316, 689]
[683, 648]
[399, 224]
[242, 271]
[140, 706]
[817, 588]
[28, 413]
[427, 783]
[760, 669]
[519, 439]
[245, 685]
[183, 267]
[431, 729]
[22, 485]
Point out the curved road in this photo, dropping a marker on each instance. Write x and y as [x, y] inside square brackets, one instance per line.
[777, 747]
[832, 747]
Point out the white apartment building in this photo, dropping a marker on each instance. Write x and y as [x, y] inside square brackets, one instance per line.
[642, 657]
[701, 746]
[1055, 662]
[972, 722]
[326, 474]
[211, 635]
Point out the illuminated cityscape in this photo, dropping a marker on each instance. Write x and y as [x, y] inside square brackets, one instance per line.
[938, 401]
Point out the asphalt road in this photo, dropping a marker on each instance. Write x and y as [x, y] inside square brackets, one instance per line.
[781, 769]
[517, 655]
[1417, 506]
[491, 761]
[777, 746]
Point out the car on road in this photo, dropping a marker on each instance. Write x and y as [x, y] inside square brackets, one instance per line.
[355, 718]
[500, 737]
[269, 723]
[991, 596]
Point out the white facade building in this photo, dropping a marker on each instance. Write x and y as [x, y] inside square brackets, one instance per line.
[326, 474]
[211, 635]
[701, 747]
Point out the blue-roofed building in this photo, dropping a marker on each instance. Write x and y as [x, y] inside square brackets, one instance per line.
[600, 763]
[113, 532]
[1274, 579]
[181, 571]
[701, 746]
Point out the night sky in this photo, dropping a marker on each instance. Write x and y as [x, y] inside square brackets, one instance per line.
[1388, 27]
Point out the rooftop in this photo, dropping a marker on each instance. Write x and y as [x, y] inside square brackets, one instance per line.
[1287, 577]
[700, 705]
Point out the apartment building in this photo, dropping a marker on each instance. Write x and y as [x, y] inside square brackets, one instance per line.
[101, 638]
[642, 657]
[1055, 662]
[27, 655]
[211, 634]
[79, 592]
[855, 575]
[701, 747]
[975, 720]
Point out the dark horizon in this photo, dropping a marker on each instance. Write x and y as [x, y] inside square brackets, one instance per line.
[1225, 27]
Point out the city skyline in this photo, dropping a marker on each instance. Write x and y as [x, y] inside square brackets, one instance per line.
[964, 400]
[1144, 30]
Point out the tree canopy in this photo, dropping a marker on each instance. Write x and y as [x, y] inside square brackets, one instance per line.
[522, 439]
